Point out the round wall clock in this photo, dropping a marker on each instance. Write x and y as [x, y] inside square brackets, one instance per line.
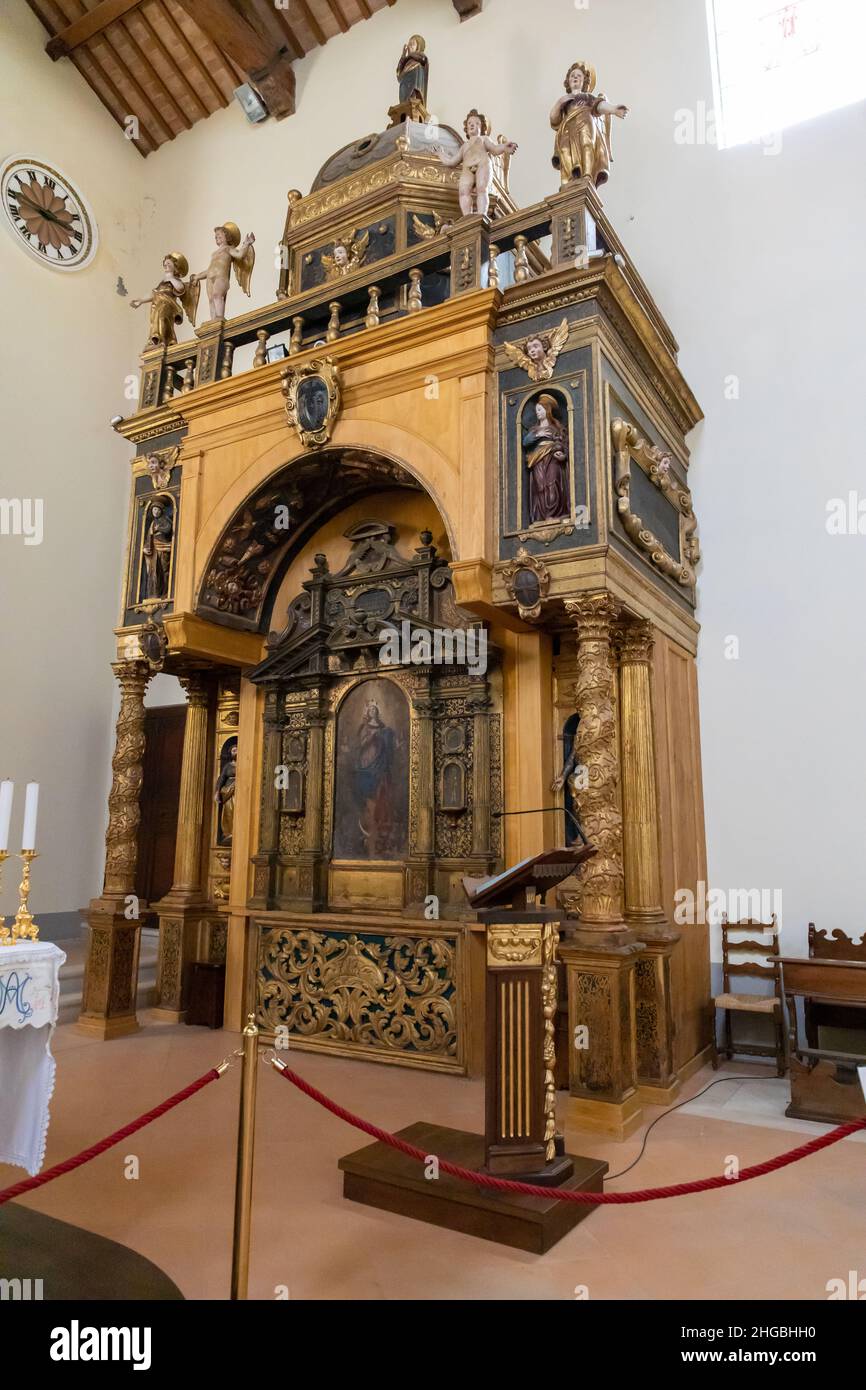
[46, 214]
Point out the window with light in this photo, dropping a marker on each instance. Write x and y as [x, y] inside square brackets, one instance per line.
[775, 65]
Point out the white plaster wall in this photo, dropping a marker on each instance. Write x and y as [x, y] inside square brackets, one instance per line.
[64, 341]
[756, 261]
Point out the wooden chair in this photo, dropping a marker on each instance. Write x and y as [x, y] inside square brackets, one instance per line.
[750, 1003]
[817, 1013]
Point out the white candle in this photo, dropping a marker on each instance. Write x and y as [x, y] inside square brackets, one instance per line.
[6, 789]
[31, 802]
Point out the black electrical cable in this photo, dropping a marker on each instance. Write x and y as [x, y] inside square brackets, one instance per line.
[665, 1113]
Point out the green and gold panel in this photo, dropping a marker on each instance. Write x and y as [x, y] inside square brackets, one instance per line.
[389, 994]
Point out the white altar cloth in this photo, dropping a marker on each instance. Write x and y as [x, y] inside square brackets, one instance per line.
[29, 999]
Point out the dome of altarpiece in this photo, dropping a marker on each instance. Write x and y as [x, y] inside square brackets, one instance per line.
[422, 137]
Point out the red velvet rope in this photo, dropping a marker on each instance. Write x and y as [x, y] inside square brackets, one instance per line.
[28, 1184]
[528, 1189]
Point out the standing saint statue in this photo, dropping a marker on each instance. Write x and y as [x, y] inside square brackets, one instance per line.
[169, 299]
[545, 448]
[412, 72]
[581, 120]
[156, 550]
[473, 188]
[230, 252]
[224, 797]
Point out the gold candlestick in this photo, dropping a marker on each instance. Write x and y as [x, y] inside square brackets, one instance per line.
[5, 933]
[24, 928]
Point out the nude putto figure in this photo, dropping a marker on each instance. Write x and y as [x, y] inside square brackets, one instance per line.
[229, 252]
[473, 188]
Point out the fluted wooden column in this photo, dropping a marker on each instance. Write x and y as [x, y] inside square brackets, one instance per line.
[480, 705]
[190, 812]
[312, 885]
[265, 860]
[601, 894]
[640, 831]
[643, 883]
[111, 974]
[424, 846]
[180, 911]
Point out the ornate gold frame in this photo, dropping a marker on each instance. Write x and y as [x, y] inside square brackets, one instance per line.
[629, 444]
[524, 561]
[290, 380]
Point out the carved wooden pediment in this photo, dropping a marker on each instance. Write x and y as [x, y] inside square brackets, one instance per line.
[338, 624]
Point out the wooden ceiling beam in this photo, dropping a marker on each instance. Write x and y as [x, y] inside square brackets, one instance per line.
[192, 62]
[88, 26]
[174, 68]
[247, 39]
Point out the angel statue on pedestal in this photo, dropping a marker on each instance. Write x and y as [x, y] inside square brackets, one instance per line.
[169, 299]
[349, 252]
[581, 120]
[229, 252]
[537, 354]
[473, 188]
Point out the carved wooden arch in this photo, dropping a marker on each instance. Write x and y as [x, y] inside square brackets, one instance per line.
[273, 523]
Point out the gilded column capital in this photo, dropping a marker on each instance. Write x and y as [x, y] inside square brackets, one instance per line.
[635, 642]
[197, 687]
[594, 615]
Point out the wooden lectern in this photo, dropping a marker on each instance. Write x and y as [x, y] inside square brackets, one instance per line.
[521, 939]
[520, 1140]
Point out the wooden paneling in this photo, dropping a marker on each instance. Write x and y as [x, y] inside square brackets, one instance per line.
[160, 793]
[682, 839]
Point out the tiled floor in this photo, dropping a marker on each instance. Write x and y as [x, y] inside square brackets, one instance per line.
[781, 1236]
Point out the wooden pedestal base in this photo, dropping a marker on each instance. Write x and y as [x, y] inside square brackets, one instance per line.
[382, 1177]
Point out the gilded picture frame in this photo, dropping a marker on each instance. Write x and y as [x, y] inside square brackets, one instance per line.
[312, 397]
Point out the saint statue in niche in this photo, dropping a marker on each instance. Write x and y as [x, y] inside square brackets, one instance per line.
[371, 801]
[156, 550]
[545, 449]
[224, 796]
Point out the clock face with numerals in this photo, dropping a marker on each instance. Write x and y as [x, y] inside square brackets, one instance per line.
[46, 214]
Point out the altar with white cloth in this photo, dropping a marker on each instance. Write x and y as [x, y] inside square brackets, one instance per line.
[29, 999]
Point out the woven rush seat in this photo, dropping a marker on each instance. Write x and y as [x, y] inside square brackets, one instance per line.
[755, 1003]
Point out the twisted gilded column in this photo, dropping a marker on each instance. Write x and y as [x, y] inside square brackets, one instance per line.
[124, 814]
[601, 895]
[111, 973]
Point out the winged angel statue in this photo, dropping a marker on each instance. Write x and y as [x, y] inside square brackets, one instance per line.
[537, 354]
[349, 253]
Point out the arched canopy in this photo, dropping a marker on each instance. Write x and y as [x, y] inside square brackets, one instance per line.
[273, 523]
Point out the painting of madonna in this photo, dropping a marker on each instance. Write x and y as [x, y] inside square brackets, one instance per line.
[545, 449]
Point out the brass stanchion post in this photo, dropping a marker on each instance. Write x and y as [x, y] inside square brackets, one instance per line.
[246, 1146]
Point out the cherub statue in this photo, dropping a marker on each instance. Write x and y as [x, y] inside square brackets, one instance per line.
[537, 354]
[169, 299]
[349, 252]
[474, 154]
[581, 120]
[230, 252]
